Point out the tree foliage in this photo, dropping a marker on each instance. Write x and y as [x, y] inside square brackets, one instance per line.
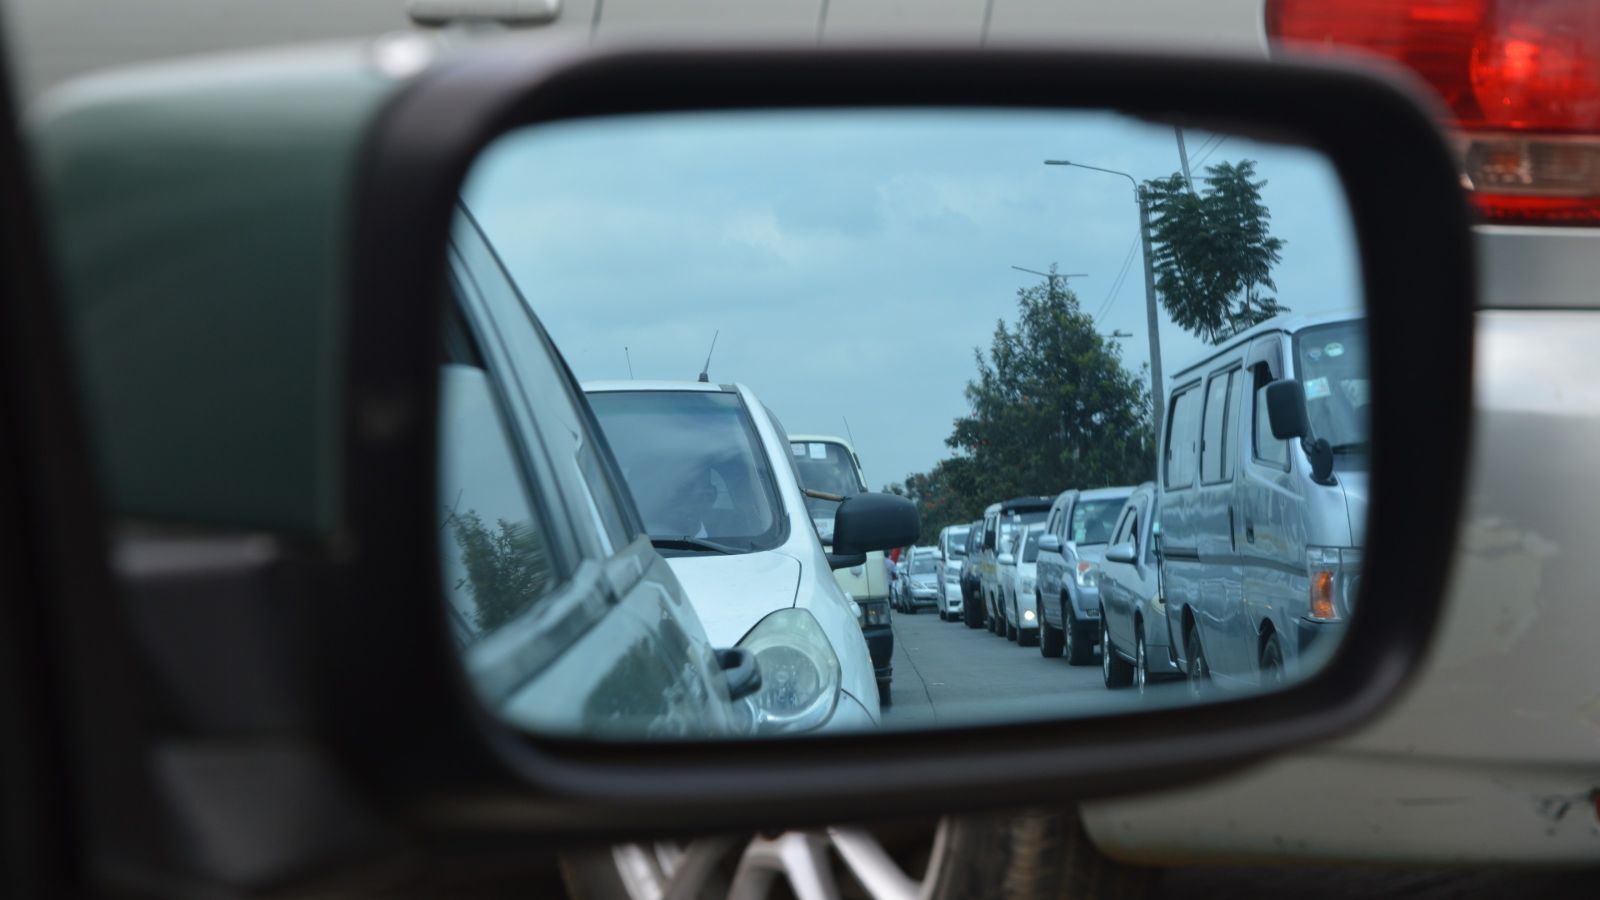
[1052, 408]
[1213, 252]
[506, 568]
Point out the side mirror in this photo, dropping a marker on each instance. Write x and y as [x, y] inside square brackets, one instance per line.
[1049, 543]
[1005, 559]
[1121, 553]
[1286, 409]
[874, 521]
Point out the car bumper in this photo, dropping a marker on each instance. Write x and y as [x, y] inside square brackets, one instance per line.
[1085, 602]
[919, 600]
[880, 643]
[954, 602]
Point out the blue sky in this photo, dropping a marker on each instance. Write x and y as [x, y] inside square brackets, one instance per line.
[853, 260]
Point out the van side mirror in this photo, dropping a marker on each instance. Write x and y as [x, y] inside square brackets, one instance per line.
[1120, 553]
[1286, 409]
[873, 521]
[1049, 543]
[1005, 559]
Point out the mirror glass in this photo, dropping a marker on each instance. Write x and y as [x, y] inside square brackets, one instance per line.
[687, 352]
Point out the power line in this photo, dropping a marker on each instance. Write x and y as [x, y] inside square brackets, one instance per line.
[1212, 150]
[1116, 285]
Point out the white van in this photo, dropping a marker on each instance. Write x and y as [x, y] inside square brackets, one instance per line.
[1264, 498]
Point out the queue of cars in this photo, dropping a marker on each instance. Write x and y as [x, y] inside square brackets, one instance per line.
[1237, 565]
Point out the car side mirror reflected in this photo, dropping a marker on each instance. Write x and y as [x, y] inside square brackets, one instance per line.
[1049, 543]
[1005, 559]
[875, 521]
[1286, 409]
[1121, 553]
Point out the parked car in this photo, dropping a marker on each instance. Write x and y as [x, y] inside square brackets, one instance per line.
[919, 584]
[952, 554]
[1135, 646]
[1076, 531]
[1019, 609]
[644, 656]
[710, 471]
[971, 585]
[1000, 521]
[1264, 484]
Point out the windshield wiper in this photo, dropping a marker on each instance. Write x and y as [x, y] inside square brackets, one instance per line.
[691, 543]
[1353, 447]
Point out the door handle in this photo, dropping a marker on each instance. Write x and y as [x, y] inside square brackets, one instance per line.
[1249, 530]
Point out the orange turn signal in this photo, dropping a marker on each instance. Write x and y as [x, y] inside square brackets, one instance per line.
[1322, 595]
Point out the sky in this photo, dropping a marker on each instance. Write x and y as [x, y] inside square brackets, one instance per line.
[853, 260]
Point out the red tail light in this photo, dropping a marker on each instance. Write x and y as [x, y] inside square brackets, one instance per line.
[1520, 77]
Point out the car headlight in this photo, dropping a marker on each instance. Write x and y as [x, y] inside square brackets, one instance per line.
[875, 613]
[1088, 576]
[800, 673]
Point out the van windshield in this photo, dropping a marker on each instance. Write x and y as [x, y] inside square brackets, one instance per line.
[827, 467]
[957, 544]
[1332, 364]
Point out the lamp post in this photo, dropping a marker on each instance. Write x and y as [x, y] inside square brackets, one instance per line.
[1158, 400]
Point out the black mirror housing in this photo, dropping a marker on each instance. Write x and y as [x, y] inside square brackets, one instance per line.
[1286, 409]
[874, 521]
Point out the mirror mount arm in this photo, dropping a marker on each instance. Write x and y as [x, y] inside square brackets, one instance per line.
[742, 670]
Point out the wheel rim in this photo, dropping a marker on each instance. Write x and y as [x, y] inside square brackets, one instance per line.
[1197, 665]
[1272, 664]
[1105, 649]
[1066, 629]
[1138, 662]
[807, 862]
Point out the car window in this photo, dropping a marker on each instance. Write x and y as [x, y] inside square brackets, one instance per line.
[695, 466]
[1212, 449]
[497, 559]
[1179, 454]
[1092, 520]
[517, 345]
[1268, 449]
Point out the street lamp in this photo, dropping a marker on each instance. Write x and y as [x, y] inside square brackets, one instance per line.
[1156, 394]
[1052, 275]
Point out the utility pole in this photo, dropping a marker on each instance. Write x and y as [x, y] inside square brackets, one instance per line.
[1183, 157]
[1052, 276]
[1152, 316]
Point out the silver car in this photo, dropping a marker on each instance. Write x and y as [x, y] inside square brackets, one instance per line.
[952, 555]
[1076, 531]
[1134, 643]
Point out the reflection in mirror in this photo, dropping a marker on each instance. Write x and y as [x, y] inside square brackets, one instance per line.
[1121, 393]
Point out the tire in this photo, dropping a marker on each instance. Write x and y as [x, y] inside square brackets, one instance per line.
[1012, 634]
[1079, 639]
[971, 612]
[1272, 674]
[1197, 670]
[1021, 856]
[1051, 640]
[1116, 671]
[885, 694]
[1141, 663]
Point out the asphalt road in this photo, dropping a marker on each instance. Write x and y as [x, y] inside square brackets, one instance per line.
[946, 672]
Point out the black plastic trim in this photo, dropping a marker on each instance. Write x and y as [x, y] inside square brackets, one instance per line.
[400, 707]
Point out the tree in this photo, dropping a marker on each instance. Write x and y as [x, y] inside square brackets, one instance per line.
[1213, 252]
[1053, 408]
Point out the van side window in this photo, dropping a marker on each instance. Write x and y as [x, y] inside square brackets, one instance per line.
[1182, 434]
[1268, 449]
[1230, 422]
[1212, 449]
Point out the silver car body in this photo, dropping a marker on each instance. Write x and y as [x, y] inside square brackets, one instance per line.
[921, 589]
[1244, 525]
[1018, 585]
[952, 549]
[1131, 600]
[864, 582]
[733, 592]
[1068, 575]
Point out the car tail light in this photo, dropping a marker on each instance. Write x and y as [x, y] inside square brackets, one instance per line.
[1521, 79]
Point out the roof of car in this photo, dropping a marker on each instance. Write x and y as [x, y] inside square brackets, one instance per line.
[1278, 324]
[821, 439]
[1016, 503]
[1106, 492]
[604, 387]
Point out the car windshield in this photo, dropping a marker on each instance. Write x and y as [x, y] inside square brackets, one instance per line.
[693, 463]
[1092, 520]
[827, 467]
[1030, 548]
[1332, 364]
[922, 564]
[958, 543]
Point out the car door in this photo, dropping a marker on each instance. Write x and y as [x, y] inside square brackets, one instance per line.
[1114, 593]
[592, 606]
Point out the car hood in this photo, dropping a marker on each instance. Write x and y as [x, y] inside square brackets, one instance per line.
[732, 593]
[1091, 553]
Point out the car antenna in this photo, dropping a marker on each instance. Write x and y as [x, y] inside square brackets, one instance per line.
[706, 369]
[630, 361]
[847, 431]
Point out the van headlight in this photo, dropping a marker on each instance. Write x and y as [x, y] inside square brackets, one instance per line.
[800, 674]
[1335, 574]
